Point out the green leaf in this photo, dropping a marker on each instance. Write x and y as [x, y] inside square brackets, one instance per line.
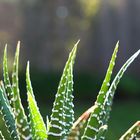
[68, 106]
[38, 128]
[102, 132]
[21, 118]
[79, 124]
[8, 86]
[132, 132]
[28, 81]
[47, 124]
[8, 115]
[106, 82]
[1, 136]
[62, 113]
[100, 114]
[5, 95]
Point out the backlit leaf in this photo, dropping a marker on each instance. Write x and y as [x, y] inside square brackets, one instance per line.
[8, 115]
[132, 133]
[7, 82]
[38, 128]
[21, 119]
[62, 113]
[79, 124]
[100, 115]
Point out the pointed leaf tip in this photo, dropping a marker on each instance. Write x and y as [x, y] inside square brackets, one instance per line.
[137, 53]
[18, 107]
[75, 46]
[5, 53]
[28, 80]
[63, 104]
[17, 50]
[7, 82]
[28, 67]
[18, 44]
[77, 42]
[5, 50]
[118, 42]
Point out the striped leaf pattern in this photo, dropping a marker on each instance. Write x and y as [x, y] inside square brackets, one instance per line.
[132, 133]
[38, 128]
[62, 113]
[21, 119]
[7, 82]
[68, 107]
[106, 83]
[79, 124]
[100, 115]
[60, 126]
[8, 115]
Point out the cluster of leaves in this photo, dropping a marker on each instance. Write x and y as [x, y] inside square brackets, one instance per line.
[91, 125]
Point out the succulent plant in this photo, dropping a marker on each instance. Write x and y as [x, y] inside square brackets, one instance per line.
[91, 125]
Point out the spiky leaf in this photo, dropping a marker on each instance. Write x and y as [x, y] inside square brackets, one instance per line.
[132, 132]
[8, 115]
[79, 124]
[68, 107]
[62, 113]
[21, 119]
[100, 115]
[7, 82]
[38, 128]
[28, 81]
[106, 82]
[47, 124]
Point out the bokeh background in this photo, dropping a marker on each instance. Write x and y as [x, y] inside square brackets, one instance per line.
[48, 30]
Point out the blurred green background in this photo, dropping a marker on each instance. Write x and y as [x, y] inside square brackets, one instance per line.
[48, 29]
